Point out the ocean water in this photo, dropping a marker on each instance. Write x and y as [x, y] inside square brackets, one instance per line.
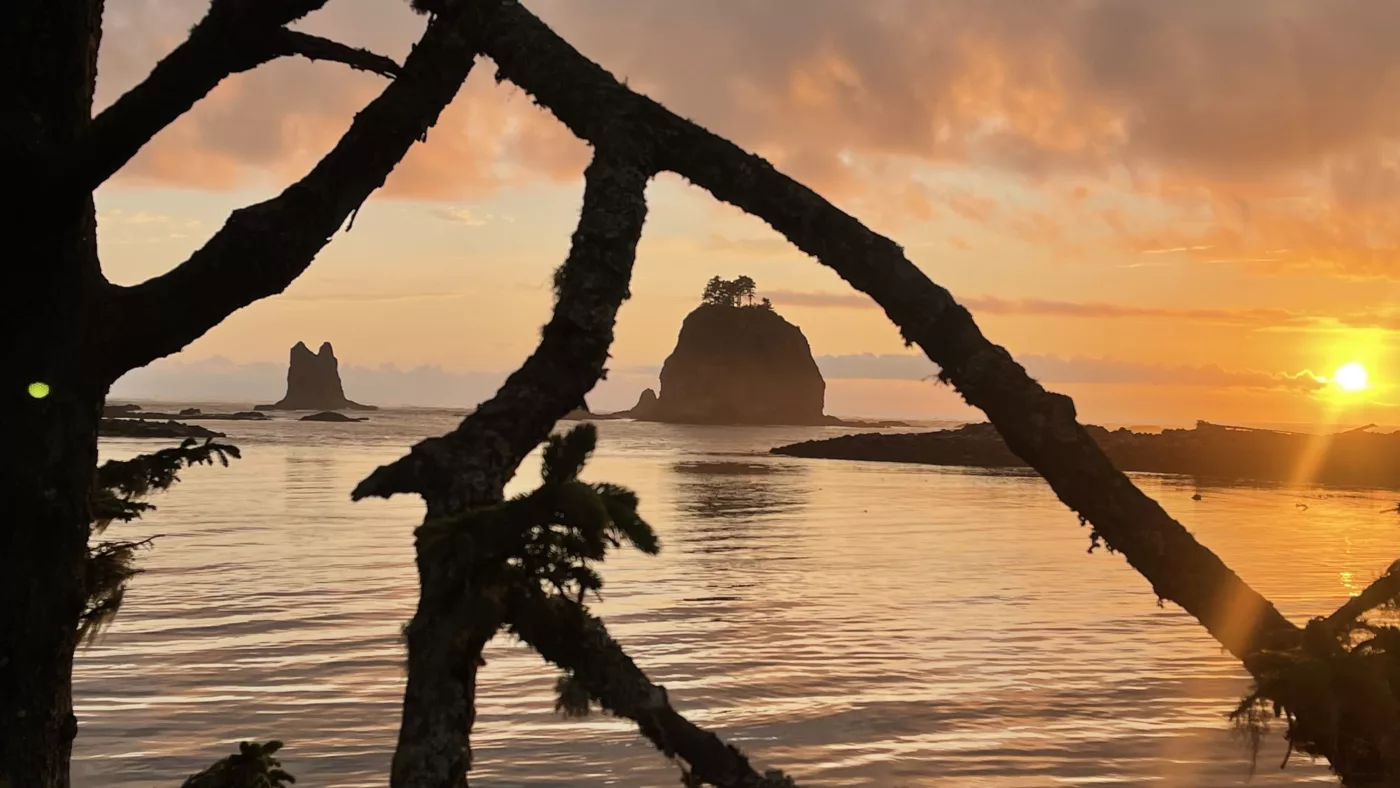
[852, 623]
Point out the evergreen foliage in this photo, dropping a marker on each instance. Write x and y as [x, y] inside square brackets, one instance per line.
[1316, 688]
[549, 538]
[117, 496]
[251, 767]
[737, 292]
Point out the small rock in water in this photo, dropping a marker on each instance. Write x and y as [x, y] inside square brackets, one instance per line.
[331, 415]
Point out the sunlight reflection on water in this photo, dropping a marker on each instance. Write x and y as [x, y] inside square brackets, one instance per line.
[852, 623]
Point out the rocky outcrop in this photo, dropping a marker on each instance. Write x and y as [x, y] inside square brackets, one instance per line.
[190, 414]
[738, 365]
[646, 407]
[1356, 457]
[313, 382]
[136, 428]
[332, 416]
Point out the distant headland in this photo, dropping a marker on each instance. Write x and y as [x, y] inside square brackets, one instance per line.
[1358, 457]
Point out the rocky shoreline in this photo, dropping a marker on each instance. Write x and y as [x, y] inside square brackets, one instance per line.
[141, 428]
[1359, 458]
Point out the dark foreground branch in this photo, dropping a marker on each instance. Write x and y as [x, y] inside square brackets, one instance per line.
[1385, 589]
[253, 766]
[295, 43]
[483, 452]
[566, 634]
[458, 611]
[262, 248]
[1039, 426]
[235, 36]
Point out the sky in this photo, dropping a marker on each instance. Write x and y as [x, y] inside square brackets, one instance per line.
[1169, 211]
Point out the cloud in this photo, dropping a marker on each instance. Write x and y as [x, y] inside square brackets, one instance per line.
[270, 125]
[459, 216]
[1246, 127]
[1259, 318]
[1057, 370]
[220, 380]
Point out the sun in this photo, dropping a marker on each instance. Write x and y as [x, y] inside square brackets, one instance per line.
[1350, 377]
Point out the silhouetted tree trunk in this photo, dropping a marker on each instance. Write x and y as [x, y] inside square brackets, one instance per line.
[70, 333]
[48, 446]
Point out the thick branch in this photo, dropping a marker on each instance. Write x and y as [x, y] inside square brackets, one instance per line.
[235, 36]
[566, 634]
[481, 454]
[457, 613]
[1386, 588]
[1037, 425]
[264, 247]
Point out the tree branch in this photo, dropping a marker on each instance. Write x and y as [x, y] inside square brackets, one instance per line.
[481, 454]
[1386, 588]
[262, 248]
[1039, 426]
[234, 36]
[459, 613]
[293, 42]
[566, 634]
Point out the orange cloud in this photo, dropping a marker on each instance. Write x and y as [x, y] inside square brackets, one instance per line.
[1263, 129]
[1056, 369]
[1260, 318]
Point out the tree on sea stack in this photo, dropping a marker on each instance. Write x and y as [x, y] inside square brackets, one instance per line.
[485, 564]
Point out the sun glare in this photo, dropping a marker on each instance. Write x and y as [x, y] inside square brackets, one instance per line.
[1350, 377]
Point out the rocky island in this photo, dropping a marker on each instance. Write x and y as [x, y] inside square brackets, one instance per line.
[130, 421]
[332, 416]
[313, 382]
[1358, 457]
[142, 428]
[737, 361]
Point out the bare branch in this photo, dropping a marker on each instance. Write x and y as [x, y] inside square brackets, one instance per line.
[469, 467]
[262, 248]
[292, 42]
[235, 36]
[1039, 426]
[566, 634]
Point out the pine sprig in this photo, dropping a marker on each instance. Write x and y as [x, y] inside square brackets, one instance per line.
[121, 484]
[251, 767]
[116, 496]
[553, 536]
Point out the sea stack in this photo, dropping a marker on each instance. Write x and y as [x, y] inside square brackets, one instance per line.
[313, 382]
[737, 362]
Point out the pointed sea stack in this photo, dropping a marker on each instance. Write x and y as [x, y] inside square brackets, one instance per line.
[313, 382]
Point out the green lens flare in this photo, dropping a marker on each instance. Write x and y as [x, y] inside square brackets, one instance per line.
[38, 389]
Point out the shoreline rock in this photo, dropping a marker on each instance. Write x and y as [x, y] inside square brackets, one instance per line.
[332, 416]
[189, 414]
[138, 428]
[1353, 458]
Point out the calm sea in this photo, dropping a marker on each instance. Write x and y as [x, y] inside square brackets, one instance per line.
[852, 623]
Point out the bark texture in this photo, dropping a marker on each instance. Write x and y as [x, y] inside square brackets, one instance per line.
[458, 614]
[68, 332]
[566, 634]
[48, 445]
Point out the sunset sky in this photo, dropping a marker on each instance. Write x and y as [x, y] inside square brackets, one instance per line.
[1168, 210]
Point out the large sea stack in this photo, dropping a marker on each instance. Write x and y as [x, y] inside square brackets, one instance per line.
[313, 382]
[738, 365]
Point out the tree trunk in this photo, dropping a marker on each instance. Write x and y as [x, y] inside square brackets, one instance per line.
[49, 399]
